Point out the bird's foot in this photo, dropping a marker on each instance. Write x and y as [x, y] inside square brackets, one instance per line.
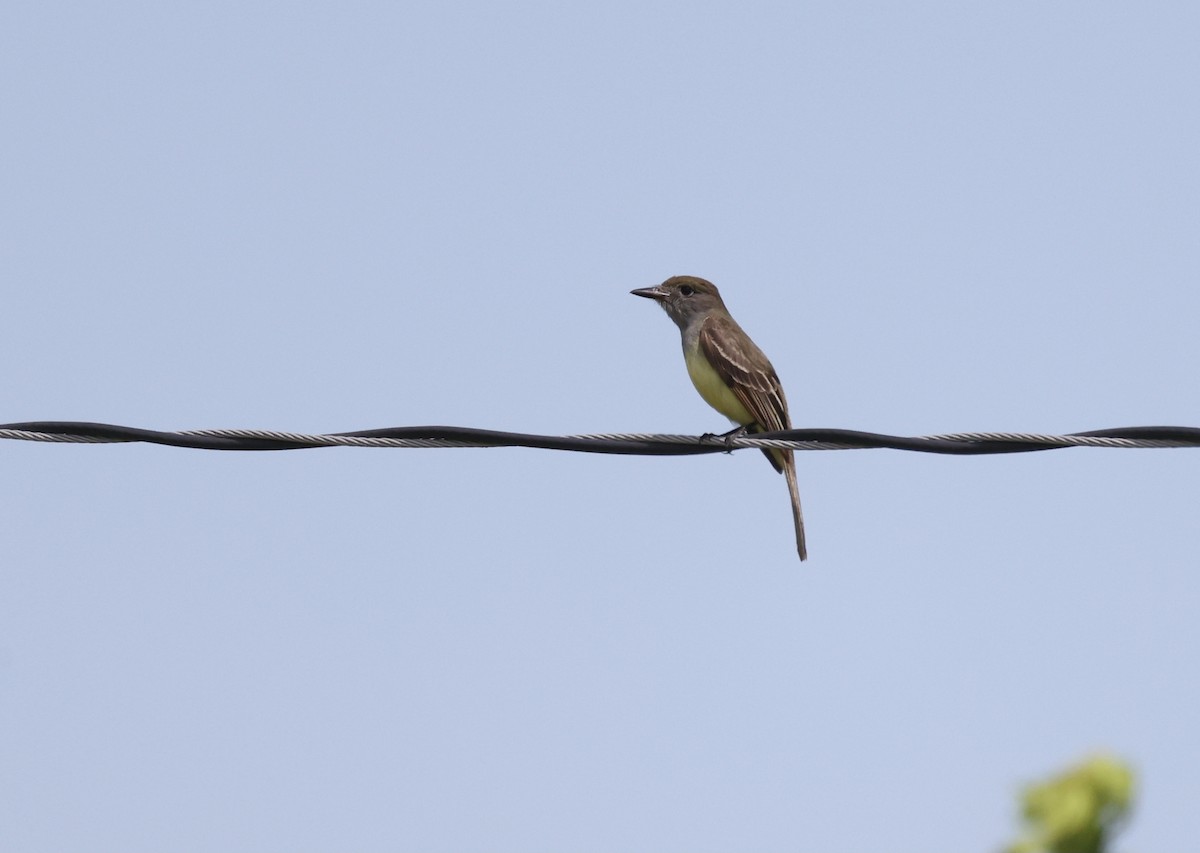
[736, 432]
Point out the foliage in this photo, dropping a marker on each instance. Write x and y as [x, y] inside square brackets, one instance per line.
[1079, 811]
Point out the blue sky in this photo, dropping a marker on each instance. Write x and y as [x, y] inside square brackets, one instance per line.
[933, 217]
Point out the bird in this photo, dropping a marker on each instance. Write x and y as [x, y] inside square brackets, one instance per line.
[729, 370]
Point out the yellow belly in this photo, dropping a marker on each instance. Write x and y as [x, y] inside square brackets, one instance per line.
[713, 388]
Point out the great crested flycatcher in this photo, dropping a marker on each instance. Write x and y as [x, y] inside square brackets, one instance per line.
[729, 370]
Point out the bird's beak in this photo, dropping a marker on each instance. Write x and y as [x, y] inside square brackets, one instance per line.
[656, 292]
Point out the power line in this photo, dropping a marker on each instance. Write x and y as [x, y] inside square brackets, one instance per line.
[636, 444]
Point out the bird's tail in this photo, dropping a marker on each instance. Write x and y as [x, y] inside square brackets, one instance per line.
[789, 471]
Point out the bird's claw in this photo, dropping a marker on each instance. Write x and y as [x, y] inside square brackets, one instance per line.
[728, 437]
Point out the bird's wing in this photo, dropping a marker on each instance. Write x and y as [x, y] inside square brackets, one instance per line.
[747, 372]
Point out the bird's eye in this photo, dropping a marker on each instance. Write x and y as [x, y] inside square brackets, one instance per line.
[687, 290]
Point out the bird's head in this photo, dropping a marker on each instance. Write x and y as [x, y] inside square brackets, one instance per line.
[683, 297]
